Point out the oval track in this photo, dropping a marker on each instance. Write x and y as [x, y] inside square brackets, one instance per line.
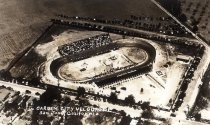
[151, 52]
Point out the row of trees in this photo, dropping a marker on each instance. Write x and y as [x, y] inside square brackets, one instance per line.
[120, 31]
[188, 76]
[146, 23]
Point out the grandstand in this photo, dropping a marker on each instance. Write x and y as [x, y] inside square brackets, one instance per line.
[85, 44]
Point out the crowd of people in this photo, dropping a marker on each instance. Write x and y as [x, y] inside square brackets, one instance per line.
[113, 79]
[85, 44]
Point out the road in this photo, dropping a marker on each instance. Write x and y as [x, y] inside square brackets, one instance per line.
[186, 122]
[21, 88]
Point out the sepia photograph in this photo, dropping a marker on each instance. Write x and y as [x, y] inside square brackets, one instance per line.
[104, 62]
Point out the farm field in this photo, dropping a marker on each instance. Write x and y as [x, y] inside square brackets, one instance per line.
[198, 13]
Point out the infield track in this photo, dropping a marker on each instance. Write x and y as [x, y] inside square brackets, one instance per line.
[151, 52]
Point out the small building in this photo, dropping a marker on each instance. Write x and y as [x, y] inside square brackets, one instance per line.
[183, 58]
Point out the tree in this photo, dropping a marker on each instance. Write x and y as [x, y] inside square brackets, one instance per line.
[202, 103]
[145, 105]
[147, 114]
[98, 119]
[205, 88]
[125, 120]
[122, 113]
[197, 116]
[144, 122]
[6, 75]
[113, 98]
[46, 121]
[83, 102]
[130, 100]
[167, 121]
[140, 122]
[28, 92]
[195, 28]
[66, 100]
[80, 91]
[49, 95]
[35, 81]
[183, 17]
[73, 120]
